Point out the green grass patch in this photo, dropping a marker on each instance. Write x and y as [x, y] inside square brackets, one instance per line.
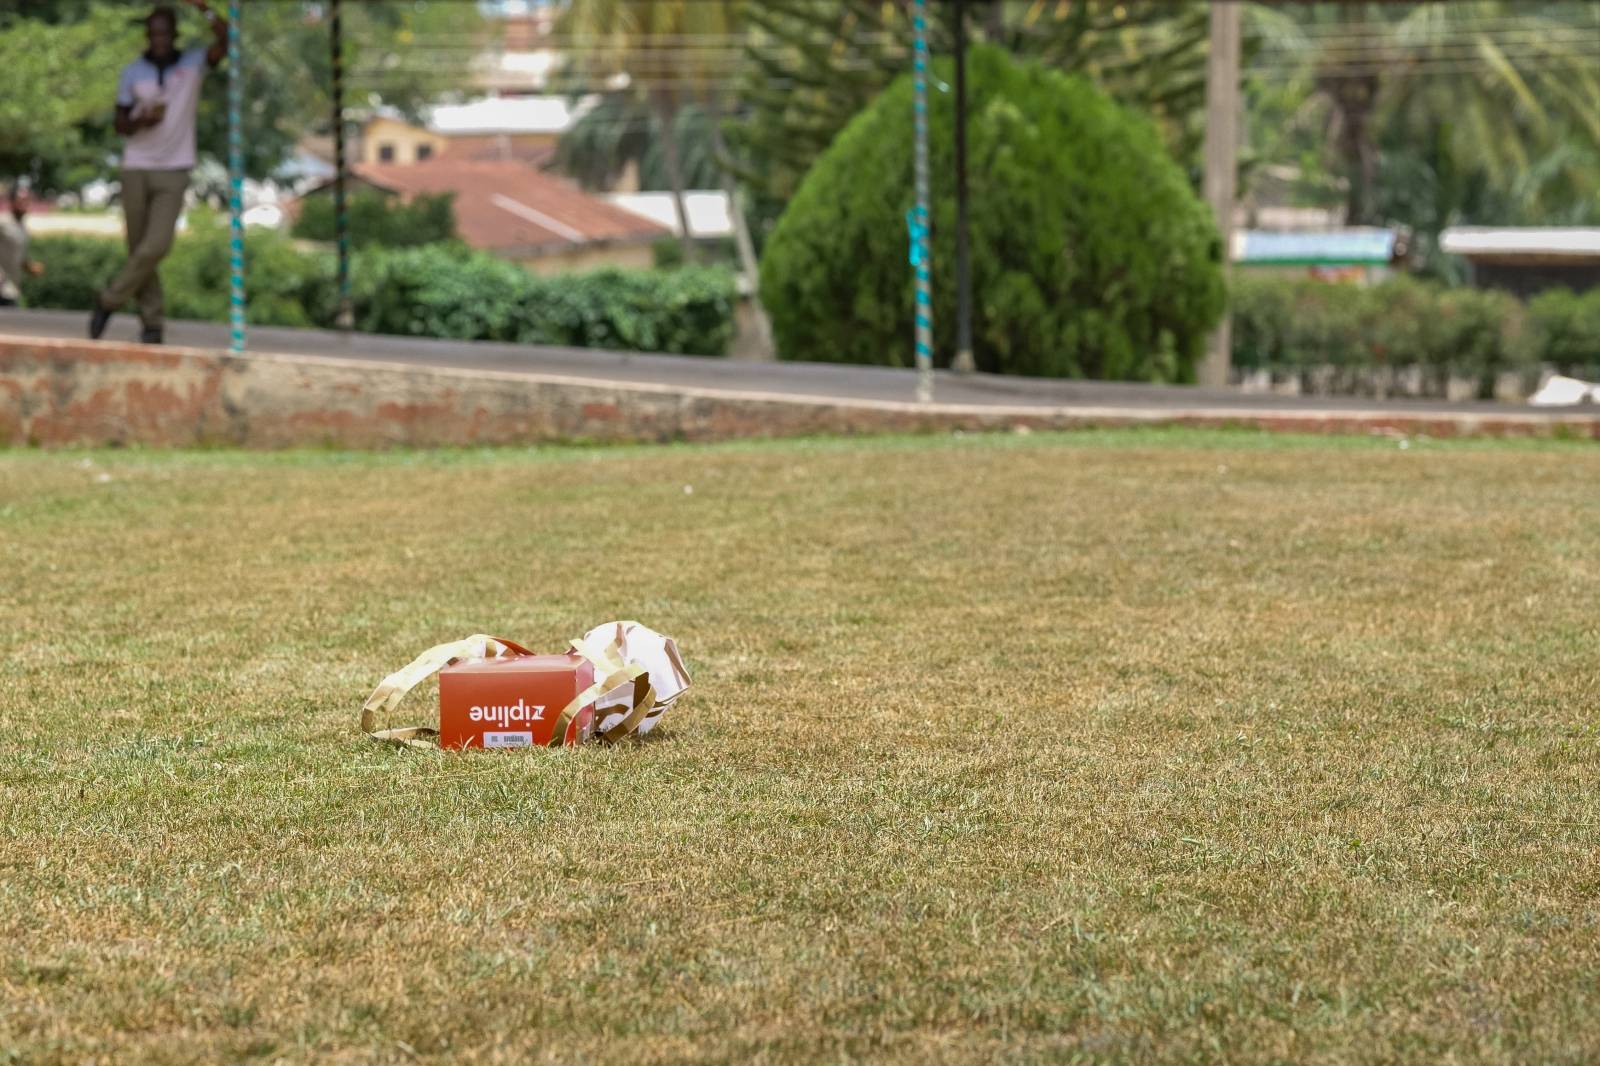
[1109, 746]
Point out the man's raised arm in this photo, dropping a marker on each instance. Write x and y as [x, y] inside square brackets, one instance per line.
[219, 32]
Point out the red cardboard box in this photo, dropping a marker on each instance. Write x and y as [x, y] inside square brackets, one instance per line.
[514, 701]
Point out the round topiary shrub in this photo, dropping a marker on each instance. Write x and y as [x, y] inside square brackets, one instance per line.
[1091, 255]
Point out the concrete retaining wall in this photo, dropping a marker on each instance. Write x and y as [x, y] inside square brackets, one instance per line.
[56, 392]
[1393, 383]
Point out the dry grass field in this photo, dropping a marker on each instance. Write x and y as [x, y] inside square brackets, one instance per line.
[1095, 747]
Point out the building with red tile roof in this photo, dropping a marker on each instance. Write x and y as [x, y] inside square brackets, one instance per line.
[514, 211]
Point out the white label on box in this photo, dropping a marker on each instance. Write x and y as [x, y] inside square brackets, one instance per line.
[508, 740]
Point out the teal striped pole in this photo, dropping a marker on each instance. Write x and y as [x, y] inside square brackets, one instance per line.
[344, 317]
[235, 184]
[920, 258]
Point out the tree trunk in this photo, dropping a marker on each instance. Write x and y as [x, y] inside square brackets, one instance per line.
[748, 265]
[666, 111]
[1355, 99]
[1365, 151]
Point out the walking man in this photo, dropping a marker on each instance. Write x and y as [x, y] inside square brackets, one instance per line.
[14, 261]
[157, 98]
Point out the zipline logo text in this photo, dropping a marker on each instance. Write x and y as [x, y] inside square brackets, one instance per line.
[505, 714]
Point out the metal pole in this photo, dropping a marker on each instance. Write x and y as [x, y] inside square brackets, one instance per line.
[1222, 163]
[345, 316]
[919, 229]
[964, 362]
[235, 185]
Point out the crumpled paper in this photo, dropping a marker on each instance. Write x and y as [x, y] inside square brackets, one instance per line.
[639, 674]
[663, 680]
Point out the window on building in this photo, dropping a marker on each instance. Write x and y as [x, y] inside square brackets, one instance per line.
[424, 151]
[386, 153]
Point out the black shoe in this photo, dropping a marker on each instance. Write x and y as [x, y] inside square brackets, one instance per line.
[150, 335]
[97, 321]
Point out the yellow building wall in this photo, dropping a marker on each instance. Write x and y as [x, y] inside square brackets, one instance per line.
[627, 256]
[403, 138]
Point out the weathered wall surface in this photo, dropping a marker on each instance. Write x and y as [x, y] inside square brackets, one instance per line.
[57, 392]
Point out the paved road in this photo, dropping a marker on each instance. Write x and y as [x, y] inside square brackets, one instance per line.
[796, 379]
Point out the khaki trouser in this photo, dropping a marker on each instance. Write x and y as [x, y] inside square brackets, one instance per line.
[151, 203]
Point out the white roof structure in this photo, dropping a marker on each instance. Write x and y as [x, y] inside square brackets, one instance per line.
[708, 211]
[509, 114]
[534, 65]
[1553, 242]
[1347, 246]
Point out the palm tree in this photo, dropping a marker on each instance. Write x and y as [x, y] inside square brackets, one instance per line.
[667, 53]
[1509, 81]
[623, 131]
[1525, 108]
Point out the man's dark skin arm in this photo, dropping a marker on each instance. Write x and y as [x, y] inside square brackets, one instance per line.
[127, 125]
[219, 33]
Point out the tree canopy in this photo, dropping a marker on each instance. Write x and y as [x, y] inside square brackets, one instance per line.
[1431, 114]
[655, 51]
[1091, 254]
[812, 65]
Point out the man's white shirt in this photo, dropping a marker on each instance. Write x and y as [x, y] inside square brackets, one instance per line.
[168, 145]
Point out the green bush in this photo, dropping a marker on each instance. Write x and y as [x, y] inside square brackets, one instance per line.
[688, 311]
[1478, 332]
[1566, 329]
[442, 290]
[75, 269]
[287, 287]
[667, 252]
[1091, 255]
[1294, 324]
[447, 291]
[1290, 323]
[378, 220]
[439, 291]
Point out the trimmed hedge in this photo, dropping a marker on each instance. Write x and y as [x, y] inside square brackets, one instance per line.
[75, 268]
[1091, 254]
[1285, 324]
[287, 287]
[1566, 329]
[447, 291]
[379, 220]
[443, 290]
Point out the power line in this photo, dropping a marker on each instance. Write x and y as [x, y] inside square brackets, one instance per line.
[1351, 31]
[1526, 52]
[1542, 42]
[725, 73]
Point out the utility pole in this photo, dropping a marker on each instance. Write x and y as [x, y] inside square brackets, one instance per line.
[963, 362]
[921, 260]
[1222, 163]
[344, 317]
